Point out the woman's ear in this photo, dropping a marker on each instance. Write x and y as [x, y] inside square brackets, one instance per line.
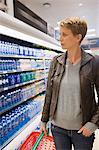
[79, 37]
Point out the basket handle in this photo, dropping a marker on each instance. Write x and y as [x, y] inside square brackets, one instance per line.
[38, 141]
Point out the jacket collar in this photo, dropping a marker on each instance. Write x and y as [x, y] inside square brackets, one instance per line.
[62, 58]
[85, 57]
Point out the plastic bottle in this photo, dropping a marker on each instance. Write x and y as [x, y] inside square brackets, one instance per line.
[1, 131]
[0, 103]
[0, 47]
[8, 99]
[18, 64]
[1, 82]
[18, 97]
[12, 97]
[4, 124]
[8, 121]
[0, 65]
[6, 80]
[12, 79]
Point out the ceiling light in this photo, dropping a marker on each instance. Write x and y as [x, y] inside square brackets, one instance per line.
[90, 35]
[58, 22]
[47, 5]
[80, 4]
[56, 28]
[91, 30]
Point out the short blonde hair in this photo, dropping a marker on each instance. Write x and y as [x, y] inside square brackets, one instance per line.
[76, 25]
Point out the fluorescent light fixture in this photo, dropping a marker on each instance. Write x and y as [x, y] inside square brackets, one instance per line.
[47, 5]
[91, 30]
[56, 28]
[80, 4]
[90, 35]
[58, 22]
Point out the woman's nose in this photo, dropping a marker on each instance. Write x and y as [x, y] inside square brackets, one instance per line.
[61, 39]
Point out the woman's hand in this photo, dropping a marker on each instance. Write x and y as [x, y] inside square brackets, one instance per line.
[43, 129]
[85, 132]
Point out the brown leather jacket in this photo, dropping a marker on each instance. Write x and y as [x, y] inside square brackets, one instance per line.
[89, 77]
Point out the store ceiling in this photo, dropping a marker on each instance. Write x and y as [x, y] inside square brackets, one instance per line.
[60, 9]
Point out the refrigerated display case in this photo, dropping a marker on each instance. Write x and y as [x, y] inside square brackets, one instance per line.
[25, 56]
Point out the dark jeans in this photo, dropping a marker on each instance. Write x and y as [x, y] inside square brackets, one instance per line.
[65, 138]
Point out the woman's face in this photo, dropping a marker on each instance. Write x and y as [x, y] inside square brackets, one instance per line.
[67, 39]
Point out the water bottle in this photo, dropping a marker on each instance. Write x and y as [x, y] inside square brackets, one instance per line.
[3, 65]
[0, 64]
[6, 80]
[1, 130]
[7, 48]
[18, 79]
[14, 64]
[18, 64]
[12, 77]
[5, 102]
[13, 120]
[4, 123]
[21, 50]
[2, 44]
[0, 103]
[9, 99]
[8, 65]
[0, 48]
[8, 121]
[15, 79]
[1, 82]
[16, 117]
[13, 97]
[10, 114]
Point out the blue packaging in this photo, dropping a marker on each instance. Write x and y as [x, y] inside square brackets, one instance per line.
[1, 130]
[0, 103]
[6, 80]
[8, 99]
[12, 79]
[4, 124]
[1, 82]
[1, 65]
[20, 50]
[18, 79]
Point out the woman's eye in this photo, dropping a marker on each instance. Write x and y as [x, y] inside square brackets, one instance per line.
[64, 34]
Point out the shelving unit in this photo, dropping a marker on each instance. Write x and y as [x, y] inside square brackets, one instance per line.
[23, 134]
[9, 108]
[19, 85]
[29, 38]
[24, 57]
[16, 71]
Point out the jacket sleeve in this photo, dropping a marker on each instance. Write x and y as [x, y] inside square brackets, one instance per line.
[48, 95]
[95, 118]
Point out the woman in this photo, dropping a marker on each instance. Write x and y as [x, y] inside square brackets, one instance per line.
[70, 99]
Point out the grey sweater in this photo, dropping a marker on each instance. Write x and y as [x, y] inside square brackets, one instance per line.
[68, 113]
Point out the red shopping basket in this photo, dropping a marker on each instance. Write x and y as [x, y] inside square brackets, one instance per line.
[38, 141]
